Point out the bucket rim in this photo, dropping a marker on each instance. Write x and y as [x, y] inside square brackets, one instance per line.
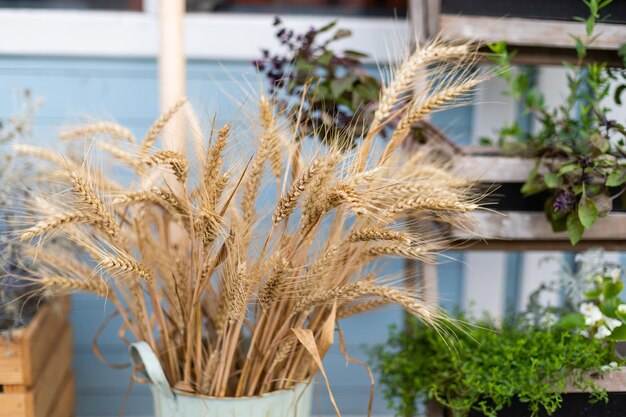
[300, 386]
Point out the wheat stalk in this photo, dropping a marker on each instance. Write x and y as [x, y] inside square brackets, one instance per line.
[148, 141]
[125, 264]
[113, 130]
[219, 298]
[52, 223]
[287, 204]
[177, 163]
[91, 286]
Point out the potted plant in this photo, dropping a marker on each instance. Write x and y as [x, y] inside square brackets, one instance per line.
[230, 308]
[571, 165]
[559, 361]
[36, 379]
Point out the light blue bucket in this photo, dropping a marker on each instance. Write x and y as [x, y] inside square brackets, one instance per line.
[171, 403]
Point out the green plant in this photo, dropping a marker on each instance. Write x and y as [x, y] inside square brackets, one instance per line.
[580, 149]
[594, 309]
[487, 368]
[329, 93]
[529, 359]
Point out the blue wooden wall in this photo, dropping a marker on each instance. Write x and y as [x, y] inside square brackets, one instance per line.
[126, 91]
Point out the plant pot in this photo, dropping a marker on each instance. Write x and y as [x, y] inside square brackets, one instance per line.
[169, 402]
[36, 378]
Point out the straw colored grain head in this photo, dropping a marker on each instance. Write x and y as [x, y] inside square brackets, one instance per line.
[218, 264]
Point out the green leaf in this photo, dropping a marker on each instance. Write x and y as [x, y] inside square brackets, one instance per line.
[613, 289]
[600, 142]
[622, 52]
[587, 212]
[574, 228]
[327, 27]
[616, 178]
[355, 53]
[581, 51]
[618, 334]
[604, 203]
[340, 85]
[326, 58]
[609, 307]
[342, 33]
[552, 180]
[534, 183]
[485, 141]
[567, 168]
[572, 321]
[367, 94]
[593, 294]
[617, 96]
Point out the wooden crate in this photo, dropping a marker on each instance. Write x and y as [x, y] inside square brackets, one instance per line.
[36, 378]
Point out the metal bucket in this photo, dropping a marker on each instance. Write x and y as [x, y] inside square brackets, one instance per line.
[171, 403]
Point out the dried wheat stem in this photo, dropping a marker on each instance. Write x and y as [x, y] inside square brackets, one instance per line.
[406, 73]
[63, 283]
[125, 264]
[268, 123]
[423, 107]
[171, 200]
[411, 252]
[253, 181]
[354, 309]
[52, 223]
[364, 235]
[159, 124]
[213, 165]
[274, 284]
[107, 128]
[176, 161]
[43, 154]
[440, 203]
[119, 154]
[91, 200]
[288, 203]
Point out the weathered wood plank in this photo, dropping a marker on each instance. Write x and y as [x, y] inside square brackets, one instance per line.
[49, 384]
[614, 381]
[515, 31]
[15, 404]
[66, 404]
[535, 226]
[492, 169]
[23, 352]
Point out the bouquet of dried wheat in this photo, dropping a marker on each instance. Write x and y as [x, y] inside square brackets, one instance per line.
[237, 301]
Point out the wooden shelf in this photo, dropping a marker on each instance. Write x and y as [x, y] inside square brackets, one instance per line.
[520, 231]
[538, 41]
[528, 32]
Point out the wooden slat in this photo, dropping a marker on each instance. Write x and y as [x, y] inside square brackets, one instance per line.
[614, 381]
[527, 32]
[532, 231]
[49, 384]
[23, 352]
[46, 337]
[15, 404]
[66, 402]
[494, 169]
[535, 226]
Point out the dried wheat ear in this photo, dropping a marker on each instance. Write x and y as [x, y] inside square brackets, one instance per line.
[224, 290]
